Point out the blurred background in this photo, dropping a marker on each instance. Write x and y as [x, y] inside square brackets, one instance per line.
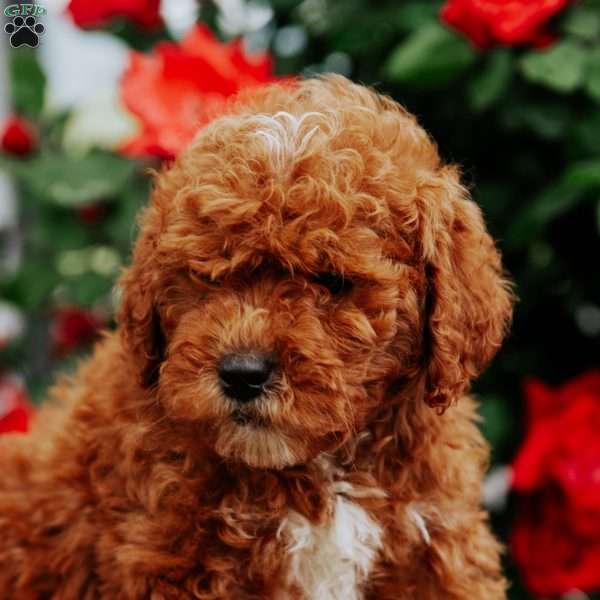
[94, 93]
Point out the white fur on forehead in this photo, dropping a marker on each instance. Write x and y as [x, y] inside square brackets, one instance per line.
[286, 136]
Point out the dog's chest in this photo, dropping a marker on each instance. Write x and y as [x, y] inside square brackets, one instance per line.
[330, 561]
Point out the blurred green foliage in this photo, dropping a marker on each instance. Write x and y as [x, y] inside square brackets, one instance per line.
[523, 123]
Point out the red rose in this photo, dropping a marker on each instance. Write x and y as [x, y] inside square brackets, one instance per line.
[73, 327]
[487, 22]
[18, 137]
[96, 13]
[180, 87]
[556, 537]
[14, 408]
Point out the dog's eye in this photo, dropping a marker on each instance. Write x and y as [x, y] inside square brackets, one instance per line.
[337, 284]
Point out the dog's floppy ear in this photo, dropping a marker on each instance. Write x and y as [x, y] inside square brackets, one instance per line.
[138, 317]
[468, 302]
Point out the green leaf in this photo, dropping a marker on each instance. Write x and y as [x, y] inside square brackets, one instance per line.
[57, 233]
[548, 120]
[362, 38]
[592, 75]
[554, 201]
[27, 82]
[560, 68]
[87, 289]
[582, 22]
[431, 56]
[410, 16]
[32, 285]
[120, 227]
[72, 182]
[582, 176]
[497, 420]
[585, 134]
[489, 86]
[14, 166]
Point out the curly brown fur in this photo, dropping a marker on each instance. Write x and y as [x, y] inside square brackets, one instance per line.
[347, 478]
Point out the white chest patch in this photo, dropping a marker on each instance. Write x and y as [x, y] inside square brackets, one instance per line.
[332, 561]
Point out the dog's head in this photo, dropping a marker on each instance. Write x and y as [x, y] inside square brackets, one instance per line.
[301, 262]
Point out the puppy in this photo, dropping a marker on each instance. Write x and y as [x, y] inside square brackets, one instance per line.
[310, 291]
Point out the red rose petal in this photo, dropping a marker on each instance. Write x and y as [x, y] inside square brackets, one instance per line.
[556, 537]
[515, 22]
[178, 88]
[86, 13]
[15, 410]
[72, 327]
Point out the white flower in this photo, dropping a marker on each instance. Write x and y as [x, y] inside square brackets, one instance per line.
[496, 488]
[100, 122]
[10, 238]
[179, 15]
[237, 17]
[83, 70]
[290, 40]
[79, 65]
[575, 595]
[8, 204]
[12, 323]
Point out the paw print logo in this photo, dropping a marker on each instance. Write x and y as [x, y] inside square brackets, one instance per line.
[24, 32]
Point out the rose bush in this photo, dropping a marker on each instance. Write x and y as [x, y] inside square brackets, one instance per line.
[487, 22]
[86, 13]
[556, 537]
[180, 87]
[524, 124]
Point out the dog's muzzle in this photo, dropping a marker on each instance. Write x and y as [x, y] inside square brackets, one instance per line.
[243, 376]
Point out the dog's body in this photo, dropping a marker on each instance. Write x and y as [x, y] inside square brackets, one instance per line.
[309, 281]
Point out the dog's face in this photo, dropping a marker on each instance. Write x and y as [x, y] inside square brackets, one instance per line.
[304, 259]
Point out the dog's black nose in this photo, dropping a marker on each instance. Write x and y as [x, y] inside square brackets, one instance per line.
[243, 376]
